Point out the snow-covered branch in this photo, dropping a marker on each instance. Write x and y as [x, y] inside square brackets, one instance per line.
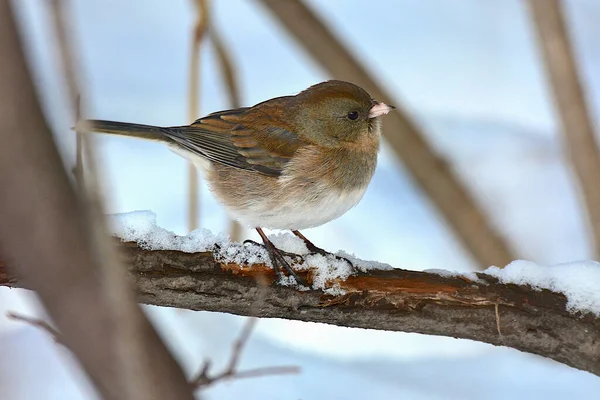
[477, 306]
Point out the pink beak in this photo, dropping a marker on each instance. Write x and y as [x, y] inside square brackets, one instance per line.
[379, 109]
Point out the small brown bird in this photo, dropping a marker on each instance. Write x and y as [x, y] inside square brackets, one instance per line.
[291, 162]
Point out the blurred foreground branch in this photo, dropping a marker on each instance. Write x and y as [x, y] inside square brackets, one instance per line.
[51, 244]
[429, 170]
[134, 338]
[398, 300]
[569, 98]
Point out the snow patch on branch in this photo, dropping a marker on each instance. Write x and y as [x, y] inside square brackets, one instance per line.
[578, 281]
[444, 273]
[141, 227]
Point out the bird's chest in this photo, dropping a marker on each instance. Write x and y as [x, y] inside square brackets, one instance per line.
[325, 205]
[325, 187]
[340, 171]
[313, 206]
[314, 189]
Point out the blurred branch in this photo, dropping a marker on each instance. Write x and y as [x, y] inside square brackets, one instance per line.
[570, 102]
[61, 27]
[198, 33]
[204, 379]
[534, 321]
[49, 242]
[429, 170]
[137, 343]
[227, 68]
[233, 92]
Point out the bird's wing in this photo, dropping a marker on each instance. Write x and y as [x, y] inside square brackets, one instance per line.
[253, 139]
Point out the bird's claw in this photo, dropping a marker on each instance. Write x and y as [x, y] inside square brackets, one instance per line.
[317, 250]
[279, 262]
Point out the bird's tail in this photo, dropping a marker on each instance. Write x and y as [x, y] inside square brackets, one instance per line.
[139, 131]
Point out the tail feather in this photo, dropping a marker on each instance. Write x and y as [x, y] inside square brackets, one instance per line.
[140, 131]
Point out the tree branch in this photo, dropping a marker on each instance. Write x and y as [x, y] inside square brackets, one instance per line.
[570, 103]
[398, 300]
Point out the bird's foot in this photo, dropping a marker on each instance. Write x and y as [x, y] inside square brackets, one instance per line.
[312, 249]
[298, 257]
[278, 260]
[325, 253]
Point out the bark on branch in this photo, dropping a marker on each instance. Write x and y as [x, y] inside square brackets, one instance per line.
[399, 300]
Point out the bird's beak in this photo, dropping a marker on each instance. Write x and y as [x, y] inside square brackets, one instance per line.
[379, 109]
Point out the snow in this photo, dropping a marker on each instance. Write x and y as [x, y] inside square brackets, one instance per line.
[578, 281]
[142, 227]
[472, 276]
[288, 242]
[293, 244]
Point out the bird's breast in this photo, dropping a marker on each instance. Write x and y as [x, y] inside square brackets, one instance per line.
[343, 169]
[318, 187]
[315, 188]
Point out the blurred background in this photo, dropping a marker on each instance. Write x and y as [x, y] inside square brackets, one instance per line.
[469, 74]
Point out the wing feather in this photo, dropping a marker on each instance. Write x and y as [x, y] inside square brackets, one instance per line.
[252, 139]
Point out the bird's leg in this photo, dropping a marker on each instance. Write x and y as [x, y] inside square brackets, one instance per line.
[317, 250]
[285, 253]
[278, 260]
[310, 245]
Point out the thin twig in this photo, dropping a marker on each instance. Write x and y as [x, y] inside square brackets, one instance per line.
[61, 27]
[38, 323]
[226, 66]
[199, 31]
[205, 381]
[79, 171]
[252, 373]
[239, 344]
[202, 380]
[228, 71]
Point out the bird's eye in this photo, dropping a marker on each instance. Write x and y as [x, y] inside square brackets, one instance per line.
[353, 115]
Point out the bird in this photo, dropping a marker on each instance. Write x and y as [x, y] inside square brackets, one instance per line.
[289, 163]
